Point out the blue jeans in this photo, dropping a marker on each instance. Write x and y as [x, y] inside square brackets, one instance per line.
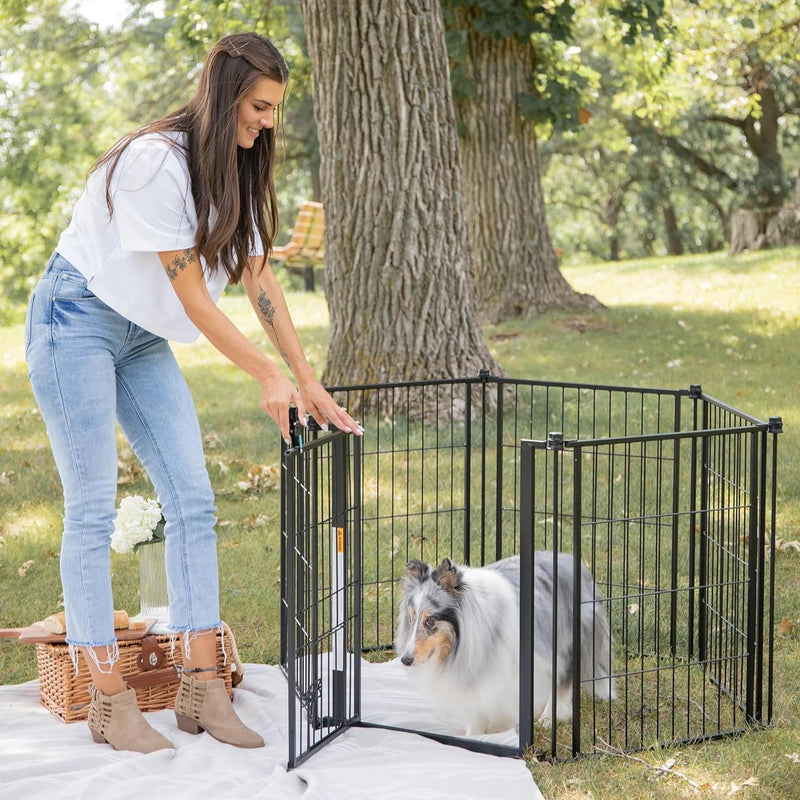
[90, 368]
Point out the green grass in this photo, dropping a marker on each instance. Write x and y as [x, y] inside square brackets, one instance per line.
[729, 324]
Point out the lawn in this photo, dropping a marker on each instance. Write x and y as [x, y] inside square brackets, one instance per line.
[728, 324]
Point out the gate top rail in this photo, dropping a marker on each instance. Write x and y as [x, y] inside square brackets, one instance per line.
[485, 377]
[556, 442]
[694, 392]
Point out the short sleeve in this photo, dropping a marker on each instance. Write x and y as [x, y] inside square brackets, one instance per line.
[152, 199]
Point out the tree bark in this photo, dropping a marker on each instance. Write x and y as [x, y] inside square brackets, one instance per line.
[397, 256]
[516, 268]
[796, 193]
[674, 243]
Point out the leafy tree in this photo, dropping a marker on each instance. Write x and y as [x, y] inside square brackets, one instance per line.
[686, 106]
[52, 115]
[62, 105]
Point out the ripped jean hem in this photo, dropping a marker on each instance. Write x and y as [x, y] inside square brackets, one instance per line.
[190, 634]
[104, 666]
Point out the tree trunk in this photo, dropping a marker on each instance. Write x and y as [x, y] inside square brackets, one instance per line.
[396, 249]
[749, 229]
[516, 268]
[613, 210]
[674, 243]
[796, 194]
[762, 135]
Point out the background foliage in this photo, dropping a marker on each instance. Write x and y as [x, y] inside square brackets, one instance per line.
[656, 118]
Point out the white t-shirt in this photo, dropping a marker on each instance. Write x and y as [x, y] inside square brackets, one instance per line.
[153, 211]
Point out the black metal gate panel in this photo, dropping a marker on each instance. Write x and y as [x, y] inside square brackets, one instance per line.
[668, 497]
[320, 589]
[672, 526]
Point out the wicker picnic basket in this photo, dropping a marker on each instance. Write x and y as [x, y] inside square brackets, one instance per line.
[148, 666]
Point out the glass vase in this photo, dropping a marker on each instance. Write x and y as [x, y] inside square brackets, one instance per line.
[153, 599]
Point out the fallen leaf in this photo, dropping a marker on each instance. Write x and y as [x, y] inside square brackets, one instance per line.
[261, 477]
[751, 781]
[786, 627]
[667, 765]
[212, 441]
[22, 571]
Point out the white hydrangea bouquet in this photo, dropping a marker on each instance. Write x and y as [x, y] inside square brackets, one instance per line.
[138, 522]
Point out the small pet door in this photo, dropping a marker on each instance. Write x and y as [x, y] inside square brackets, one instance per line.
[321, 588]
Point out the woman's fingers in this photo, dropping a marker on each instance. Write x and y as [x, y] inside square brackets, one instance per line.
[313, 400]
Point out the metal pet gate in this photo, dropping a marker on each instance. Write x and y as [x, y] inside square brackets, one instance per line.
[668, 496]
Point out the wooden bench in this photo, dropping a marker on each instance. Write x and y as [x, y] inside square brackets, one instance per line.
[305, 251]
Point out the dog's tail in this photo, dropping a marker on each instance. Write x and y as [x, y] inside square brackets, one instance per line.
[596, 660]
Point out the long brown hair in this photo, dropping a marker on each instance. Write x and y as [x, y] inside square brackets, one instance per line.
[235, 182]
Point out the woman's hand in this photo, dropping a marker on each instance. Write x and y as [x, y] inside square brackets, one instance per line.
[320, 405]
[278, 393]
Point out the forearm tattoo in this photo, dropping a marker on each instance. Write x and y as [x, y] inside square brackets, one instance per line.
[180, 262]
[268, 312]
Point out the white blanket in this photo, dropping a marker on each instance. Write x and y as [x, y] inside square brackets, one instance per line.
[41, 757]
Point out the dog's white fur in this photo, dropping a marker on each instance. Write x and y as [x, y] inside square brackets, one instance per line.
[458, 631]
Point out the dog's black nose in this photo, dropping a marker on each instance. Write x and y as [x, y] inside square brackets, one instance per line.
[407, 660]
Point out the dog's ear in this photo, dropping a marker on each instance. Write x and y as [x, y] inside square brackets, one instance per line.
[448, 576]
[417, 570]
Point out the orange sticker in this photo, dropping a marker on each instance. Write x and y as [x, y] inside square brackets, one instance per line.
[340, 540]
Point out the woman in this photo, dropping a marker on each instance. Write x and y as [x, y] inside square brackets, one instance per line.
[171, 214]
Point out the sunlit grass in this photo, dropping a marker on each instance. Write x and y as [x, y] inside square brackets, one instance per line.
[728, 324]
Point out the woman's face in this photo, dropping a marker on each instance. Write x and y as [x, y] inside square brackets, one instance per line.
[257, 110]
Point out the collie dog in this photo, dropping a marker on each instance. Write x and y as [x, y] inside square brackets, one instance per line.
[458, 632]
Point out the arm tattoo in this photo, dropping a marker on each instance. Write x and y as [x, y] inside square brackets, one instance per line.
[268, 315]
[180, 262]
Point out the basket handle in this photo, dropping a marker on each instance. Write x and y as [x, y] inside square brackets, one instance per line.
[152, 678]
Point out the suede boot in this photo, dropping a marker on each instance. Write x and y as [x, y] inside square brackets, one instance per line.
[117, 720]
[205, 706]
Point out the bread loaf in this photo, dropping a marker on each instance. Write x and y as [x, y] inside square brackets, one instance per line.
[57, 623]
[120, 620]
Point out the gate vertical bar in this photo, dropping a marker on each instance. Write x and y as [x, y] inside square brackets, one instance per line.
[498, 448]
[702, 567]
[526, 508]
[752, 579]
[358, 640]
[676, 482]
[761, 548]
[555, 444]
[468, 473]
[577, 521]
[284, 618]
[339, 559]
[776, 427]
[289, 576]
[484, 376]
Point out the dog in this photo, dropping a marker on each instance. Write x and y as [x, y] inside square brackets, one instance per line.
[458, 633]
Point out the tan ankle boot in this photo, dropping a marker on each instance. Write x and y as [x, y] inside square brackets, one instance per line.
[116, 719]
[205, 706]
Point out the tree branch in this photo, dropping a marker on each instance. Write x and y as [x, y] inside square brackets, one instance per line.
[687, 154]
